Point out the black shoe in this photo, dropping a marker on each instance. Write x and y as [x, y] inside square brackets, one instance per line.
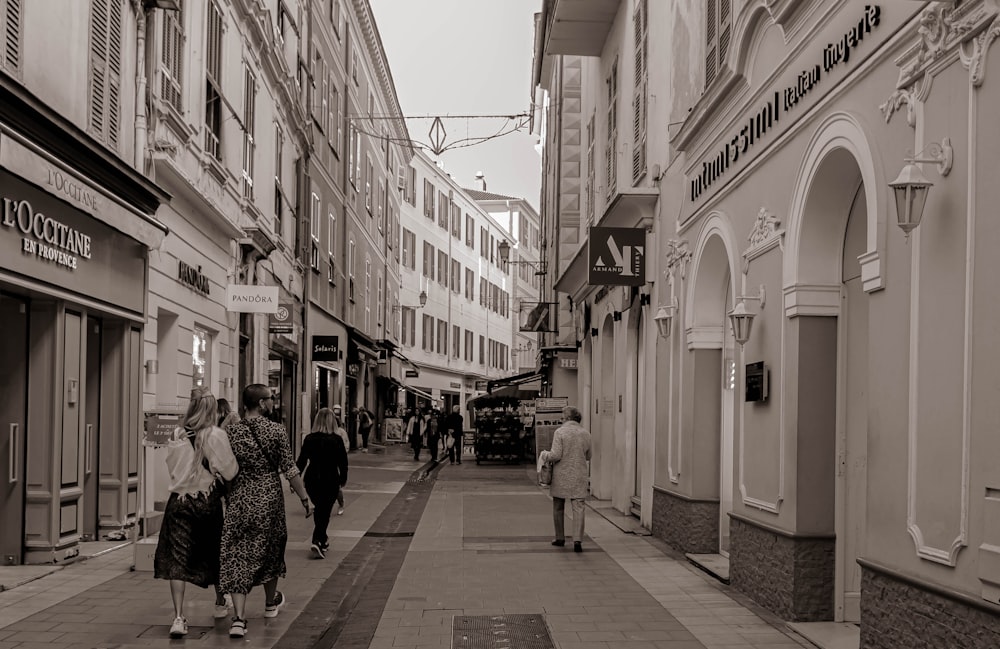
[577, 547]
[559, 543]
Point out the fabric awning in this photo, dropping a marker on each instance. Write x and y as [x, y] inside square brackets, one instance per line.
[409, 388]
[516, 379]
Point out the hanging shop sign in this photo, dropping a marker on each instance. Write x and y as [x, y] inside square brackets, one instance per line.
[617, 257]
[243, 298]
[280, 322]
[782, 100]
[353, 369]
[193, 278]
[325, 348]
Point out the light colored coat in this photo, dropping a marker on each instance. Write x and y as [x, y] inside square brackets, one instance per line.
[570, 455]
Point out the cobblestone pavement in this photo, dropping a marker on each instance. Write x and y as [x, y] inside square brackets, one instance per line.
[416, 549]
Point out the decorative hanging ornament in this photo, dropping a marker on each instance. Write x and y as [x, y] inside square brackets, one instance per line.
[437, 135]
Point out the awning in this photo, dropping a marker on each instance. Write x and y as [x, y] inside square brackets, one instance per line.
[517, 379]
[412, 389]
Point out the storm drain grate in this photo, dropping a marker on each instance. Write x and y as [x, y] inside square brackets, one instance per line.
[515, 631]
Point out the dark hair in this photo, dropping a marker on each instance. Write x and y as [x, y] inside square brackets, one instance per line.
[223, 408]
[252, 395]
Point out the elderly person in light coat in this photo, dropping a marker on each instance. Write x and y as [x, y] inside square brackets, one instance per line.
[570, 458]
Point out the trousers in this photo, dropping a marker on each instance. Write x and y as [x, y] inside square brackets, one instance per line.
[577, 508]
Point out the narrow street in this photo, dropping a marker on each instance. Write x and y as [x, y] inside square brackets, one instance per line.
[450, 556]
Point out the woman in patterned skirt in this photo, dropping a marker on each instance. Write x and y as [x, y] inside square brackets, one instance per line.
[187, 550]
[254, 533]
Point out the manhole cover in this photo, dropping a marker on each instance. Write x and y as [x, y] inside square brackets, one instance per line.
[163, 631]
[515, 631]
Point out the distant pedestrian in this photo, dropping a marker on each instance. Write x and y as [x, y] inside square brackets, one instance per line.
[323, 463]
[415, 432]
[227, 416]
[255, 532]
[454, 429]
[187, 551]
[433, 435]
[365, 422]
[570, 458]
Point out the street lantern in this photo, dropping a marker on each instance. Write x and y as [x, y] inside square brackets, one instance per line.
[664, 318]
[911, 186]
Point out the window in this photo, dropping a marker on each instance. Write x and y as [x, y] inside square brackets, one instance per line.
[335, 11]
[456, 341]
[213, 82]
[411, 186]
[354, 65]
[612, 124]
[331, 230]
[320, 90]
[368, 186]
[249, 110]
[105, 68]
[470, 231]
[314, 208]
[483, 292]
[201, 348]
[331, 274]
[428, 261]
[379, 300]
[354, 160]
[442, 272]
[456, 276]
[314, 256]
[482, 350]
[427, 334]
[442, 337]
[484, 242]
[409, 322]
[279, 154]
[368, 294]
[428, 199]
[351, 261]
[409, 249]
[639, 29]
[468, 345]
[456, 221]
[718, 25]
[443, 202]
[380, 208]
[470, 288]
[170, 56]
[591, 171]
[336, 131]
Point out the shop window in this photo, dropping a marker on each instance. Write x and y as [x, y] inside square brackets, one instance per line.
[201, 350]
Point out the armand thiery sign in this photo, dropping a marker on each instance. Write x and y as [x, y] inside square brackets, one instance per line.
[617, 257]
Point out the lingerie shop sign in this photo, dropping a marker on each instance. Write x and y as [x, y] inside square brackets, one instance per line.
[782, 101]
[43, 236]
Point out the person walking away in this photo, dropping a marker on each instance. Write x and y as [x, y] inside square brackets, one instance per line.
[187, 551]
[254, 534]
[323, 463]
[454, 428]
[227, 416]
[570, 458]
[342, 432]
[365, 422]
[433, 436]
[414, 433]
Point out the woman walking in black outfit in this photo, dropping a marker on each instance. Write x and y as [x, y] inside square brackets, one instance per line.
[323, 462]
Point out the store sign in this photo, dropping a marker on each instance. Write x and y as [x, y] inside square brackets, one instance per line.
[251, 299]
[353, 369]
[568, 363]
[617, 257]
[783, 100]
[325, 348]
[160, 428]
[280, 322]
[193, 278]
[43, 236]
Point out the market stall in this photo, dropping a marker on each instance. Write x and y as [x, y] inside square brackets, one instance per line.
[502, 423]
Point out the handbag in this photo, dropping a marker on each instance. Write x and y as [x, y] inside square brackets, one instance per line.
[545, 475]
[450, 443]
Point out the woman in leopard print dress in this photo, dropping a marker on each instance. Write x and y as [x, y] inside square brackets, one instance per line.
[254, 534]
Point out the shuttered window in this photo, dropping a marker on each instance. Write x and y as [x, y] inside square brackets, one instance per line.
[213, 82]
[591, 170]
[10, 22]
[640, 30]
[105, 70]
[718, 29]
[249, 115]
[170, 56]
[611, 161]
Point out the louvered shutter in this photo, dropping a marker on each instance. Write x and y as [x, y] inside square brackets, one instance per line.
[98, 65]
[725, 29]
[170, 70]
[639, 91]
[711, 50]
[10, 21]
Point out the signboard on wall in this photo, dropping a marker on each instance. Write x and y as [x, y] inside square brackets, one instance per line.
[160, 428]
[249, 298]
[617, 257]
[280, 322]
[325, 348]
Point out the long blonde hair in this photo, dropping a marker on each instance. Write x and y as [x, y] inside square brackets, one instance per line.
[200, 418]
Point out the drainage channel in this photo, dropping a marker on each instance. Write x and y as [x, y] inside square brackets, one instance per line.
[347, 608]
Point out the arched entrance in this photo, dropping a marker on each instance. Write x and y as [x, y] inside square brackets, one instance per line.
[832, 235]
[710, 347]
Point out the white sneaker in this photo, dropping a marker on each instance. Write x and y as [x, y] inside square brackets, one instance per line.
[340, 512]
[179, 628]
[238, 628]
[318, 551]
[271, 610]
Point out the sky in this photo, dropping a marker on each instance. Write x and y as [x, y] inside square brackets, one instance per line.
[467, 57]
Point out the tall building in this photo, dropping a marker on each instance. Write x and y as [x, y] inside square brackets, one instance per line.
[820, 369]
[80, 235]
[456, 308]
[356, 169]
[227, 132]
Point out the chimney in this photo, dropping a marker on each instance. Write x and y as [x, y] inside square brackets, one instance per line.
[481, 178]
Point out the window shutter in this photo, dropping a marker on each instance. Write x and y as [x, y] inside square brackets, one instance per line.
[173, 45]
[710, 41]
[98, 65]
[10, 57]
[725, 29]
[114, 70]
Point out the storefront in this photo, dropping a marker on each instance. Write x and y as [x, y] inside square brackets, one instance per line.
[327, 344]
[73, 279]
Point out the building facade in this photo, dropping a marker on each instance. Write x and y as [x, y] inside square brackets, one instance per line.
[821, 393]
[463, 334]
[78, 230]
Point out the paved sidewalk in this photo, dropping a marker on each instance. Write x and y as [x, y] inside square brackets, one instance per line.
[481, 548]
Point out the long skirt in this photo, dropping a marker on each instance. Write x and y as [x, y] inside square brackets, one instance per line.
[190, 540]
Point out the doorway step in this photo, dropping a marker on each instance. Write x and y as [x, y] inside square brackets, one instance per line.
[829, 635]
[625, 522]
[714, 564]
